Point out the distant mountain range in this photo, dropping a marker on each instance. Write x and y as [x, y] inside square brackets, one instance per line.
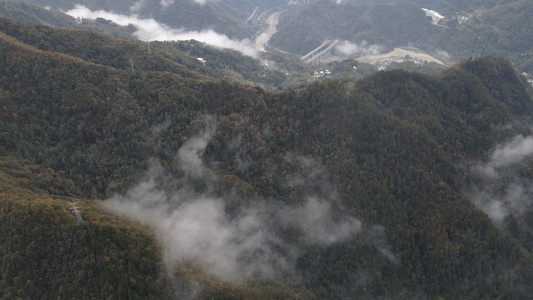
[227, 17]
[174, 170]
[469, 29]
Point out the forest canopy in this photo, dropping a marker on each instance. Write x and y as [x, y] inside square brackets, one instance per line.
[358, 189]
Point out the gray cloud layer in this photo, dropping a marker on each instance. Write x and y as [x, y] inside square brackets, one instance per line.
[151, 30]
[196, 227]
[363, 49]
[499, 188]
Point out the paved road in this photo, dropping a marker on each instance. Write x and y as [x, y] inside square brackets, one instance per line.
[270, 18]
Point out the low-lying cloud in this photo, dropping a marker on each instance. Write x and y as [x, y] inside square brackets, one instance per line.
[196, 227]
[363, 49]
[166, 3]
[315, 220]
[512, 152]
[499, 189]
[189, 154]
[377, 237]
[137, 6]
[152, 30]
[443, 53]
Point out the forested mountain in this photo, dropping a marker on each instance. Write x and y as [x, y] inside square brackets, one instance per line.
[469, 29]
[386, 24]
[186, 14]
[270, 71]
[352, 189]
[180, 57]
[226, 17]
[31, 13]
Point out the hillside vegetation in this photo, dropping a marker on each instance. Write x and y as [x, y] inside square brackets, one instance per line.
[334, 190]
[180, 57]
[469, 29]
[31, 13]
[225, 17]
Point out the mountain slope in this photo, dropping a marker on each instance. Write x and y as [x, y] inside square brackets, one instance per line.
[35, 14]
[334, 190]
[497, 29]
[47, 253]
[190, 15]
[176, 57]
[386, 24]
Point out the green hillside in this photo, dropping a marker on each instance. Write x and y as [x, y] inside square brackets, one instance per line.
[175, 57]
[348, 189]
[35, 14]
[47, 254]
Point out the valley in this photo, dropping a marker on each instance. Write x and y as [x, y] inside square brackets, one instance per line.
[247, 149]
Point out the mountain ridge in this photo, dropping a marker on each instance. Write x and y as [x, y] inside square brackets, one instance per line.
[377, 156]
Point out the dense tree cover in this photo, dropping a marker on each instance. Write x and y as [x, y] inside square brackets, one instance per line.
[31, 13]
[175, 57]
[470, 28]
[383, 149]
[503, 83]
[47, 253]
[226, 17]
[230, 65]
[271, 71]
[100, 48]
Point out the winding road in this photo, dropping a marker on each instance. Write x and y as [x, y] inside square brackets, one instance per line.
[270, 18]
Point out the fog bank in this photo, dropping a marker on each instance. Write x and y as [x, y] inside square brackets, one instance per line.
[500, 186]
[195, 227]
[152, 30]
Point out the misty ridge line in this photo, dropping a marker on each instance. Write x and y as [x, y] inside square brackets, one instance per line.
[152, 30]
[196, 227]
